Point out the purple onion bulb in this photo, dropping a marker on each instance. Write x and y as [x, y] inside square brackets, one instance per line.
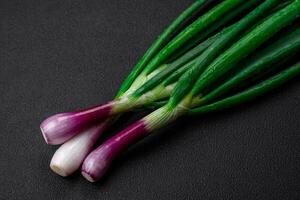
[98, 161]
[59, 128]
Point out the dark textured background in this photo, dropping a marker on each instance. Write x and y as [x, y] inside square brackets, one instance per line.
[62, 55]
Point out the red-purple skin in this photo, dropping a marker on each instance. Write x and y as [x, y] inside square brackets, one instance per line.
[59, 128]
[98, 161]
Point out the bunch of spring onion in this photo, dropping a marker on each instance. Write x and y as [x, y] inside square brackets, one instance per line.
[215, 55]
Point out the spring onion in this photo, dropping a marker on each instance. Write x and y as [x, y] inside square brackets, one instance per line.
[196, 66]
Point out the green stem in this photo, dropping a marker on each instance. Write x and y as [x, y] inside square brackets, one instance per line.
[187, 81]
[251, 93]
[158, 45]
[228, 60]
[255, 66]
[195, 28]
[284, 48]
[170, 68]
[221, 23]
